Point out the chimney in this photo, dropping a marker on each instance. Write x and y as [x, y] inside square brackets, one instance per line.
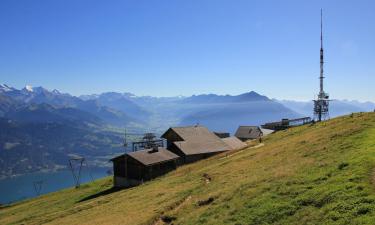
[155, 148]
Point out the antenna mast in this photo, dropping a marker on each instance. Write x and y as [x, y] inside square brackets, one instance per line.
[321, 104]
[321, 53]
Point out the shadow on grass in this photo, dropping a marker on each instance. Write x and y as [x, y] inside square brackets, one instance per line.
[102, 193]
[3, 206]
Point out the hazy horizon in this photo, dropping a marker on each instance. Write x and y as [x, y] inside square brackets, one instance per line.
[173, 96]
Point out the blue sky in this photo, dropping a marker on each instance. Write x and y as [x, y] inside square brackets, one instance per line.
[179, 47]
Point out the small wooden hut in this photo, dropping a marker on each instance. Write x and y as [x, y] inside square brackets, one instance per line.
[134, 168]
[245, 133]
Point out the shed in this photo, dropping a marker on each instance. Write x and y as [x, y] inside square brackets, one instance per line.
[193, 143]
[245, 133]
[133, 168]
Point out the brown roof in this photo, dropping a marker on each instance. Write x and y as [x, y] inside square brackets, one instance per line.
[248, 132]
[198, 140]
[234, 143]
[150, 157]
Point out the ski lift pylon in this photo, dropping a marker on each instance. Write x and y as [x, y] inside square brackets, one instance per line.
[76, 174]
[38, 186]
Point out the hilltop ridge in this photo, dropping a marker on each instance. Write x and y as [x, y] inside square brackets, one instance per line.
[314, 174]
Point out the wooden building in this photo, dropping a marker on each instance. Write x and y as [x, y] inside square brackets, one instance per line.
[134, 168]
[193, 143]
[245, 133]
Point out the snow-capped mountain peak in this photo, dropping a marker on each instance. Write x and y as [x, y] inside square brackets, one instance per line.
[28, 88]
[56, 92]
[6, 88]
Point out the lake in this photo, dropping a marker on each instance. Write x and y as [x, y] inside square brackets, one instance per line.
[22, 187]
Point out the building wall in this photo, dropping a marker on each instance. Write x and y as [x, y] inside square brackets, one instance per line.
[128, 167]
[160, 169]
[119, 168]
[129, 172]
[173, 148]
[135, 170]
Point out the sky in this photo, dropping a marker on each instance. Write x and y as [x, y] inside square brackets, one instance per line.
[179, 47]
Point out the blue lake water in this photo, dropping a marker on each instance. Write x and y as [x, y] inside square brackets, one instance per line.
[22, 187]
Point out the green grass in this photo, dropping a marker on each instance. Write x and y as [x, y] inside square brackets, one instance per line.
[314, 174]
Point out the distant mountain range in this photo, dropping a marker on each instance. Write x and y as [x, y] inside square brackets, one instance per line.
[226, 112]
[40, 129]
[121, 102]
[212, 98]
[217, 112]
[40, 95]
[157, 114]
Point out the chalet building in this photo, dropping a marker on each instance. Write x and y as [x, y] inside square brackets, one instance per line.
[245, 133]
[193, 143]
[134, 168]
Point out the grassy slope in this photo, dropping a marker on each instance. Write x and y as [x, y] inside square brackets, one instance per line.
[319, 174]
